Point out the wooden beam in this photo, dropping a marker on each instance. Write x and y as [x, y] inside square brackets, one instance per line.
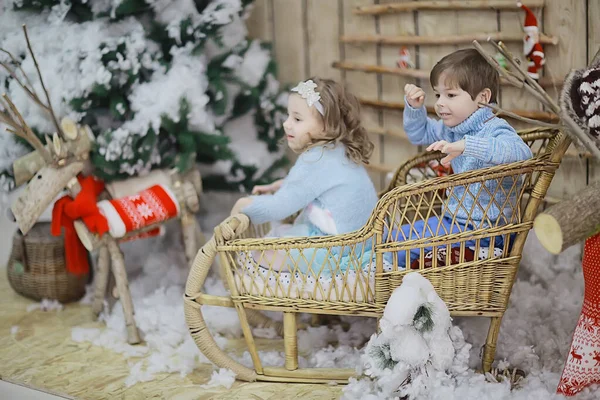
[442, 40]
[381, 69]
[569, 221]
[539, 115]
[393, 8]
[418, 73]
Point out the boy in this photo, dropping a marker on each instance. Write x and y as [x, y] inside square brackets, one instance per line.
[472, 137]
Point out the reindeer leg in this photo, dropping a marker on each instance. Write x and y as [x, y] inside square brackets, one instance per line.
[190, 242]
[200, 238]
[101, 280]
[118, 269]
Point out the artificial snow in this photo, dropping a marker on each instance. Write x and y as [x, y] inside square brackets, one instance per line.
[535, 334]
[223, 377]
[45, 305]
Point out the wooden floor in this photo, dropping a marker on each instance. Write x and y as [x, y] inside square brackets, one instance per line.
[42, 355]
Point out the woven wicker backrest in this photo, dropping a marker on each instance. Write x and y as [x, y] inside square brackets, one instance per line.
[471, 270]
[418, 168]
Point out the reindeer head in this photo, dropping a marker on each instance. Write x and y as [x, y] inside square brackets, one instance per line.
[54, 165]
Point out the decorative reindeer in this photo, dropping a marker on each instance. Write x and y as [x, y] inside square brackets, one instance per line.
[575, 355]
[596, 358]
[59, 164]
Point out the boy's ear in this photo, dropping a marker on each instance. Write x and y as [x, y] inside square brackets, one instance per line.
[484, 96]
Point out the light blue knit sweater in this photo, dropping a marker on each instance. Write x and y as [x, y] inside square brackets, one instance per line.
[325, 177]
[489, 141]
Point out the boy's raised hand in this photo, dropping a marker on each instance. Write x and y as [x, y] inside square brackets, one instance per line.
[415, 96]
[452, 149]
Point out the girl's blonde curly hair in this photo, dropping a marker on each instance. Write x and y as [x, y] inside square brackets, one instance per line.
[342, 120]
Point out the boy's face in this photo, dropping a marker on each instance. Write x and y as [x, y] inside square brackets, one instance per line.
[453, 104]
[302, 125]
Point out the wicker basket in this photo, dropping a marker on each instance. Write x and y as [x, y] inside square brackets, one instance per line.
[37, 268]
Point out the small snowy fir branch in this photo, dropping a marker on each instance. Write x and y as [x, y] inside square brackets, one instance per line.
[423, 319]
[382, 356]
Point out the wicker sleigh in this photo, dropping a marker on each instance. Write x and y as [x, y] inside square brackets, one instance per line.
[479, 287]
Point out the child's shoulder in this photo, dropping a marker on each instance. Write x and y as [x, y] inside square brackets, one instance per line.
[499, 125]
[323, 153]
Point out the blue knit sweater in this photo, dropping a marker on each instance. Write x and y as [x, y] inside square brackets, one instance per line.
[322, 176]
[489, 141]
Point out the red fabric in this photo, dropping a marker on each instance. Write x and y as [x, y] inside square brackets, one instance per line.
[441, 258]
[582, 367]
[66, 210]
[404, 61]
[530, 19]
[148, 207]
[535, 60]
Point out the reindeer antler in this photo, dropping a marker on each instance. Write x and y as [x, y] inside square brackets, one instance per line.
[11, 117]
[521, 80]
[533, 86]
[29, 87]
[49, 105]
[518, 77]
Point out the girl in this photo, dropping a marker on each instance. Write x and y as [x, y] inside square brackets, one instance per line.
[328, 182]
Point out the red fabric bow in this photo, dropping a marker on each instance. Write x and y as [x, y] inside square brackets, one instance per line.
[66, 210]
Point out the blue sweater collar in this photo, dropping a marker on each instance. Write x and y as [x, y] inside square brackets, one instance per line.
[475, 121]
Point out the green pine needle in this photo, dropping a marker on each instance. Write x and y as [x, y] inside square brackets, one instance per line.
[382, 356]
[423, 319]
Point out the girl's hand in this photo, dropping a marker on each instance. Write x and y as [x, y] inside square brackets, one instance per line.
[415, 96]
[240, 205]
[266, 189]
[452, 149]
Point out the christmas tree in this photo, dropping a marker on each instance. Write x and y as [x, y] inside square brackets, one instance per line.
[160, 82]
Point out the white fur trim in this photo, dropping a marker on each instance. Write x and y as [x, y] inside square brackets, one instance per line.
[172, 196]
[531, 28]
[116, 226]
[538, 53]
[527, 47]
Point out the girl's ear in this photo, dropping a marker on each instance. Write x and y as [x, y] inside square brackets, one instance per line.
[484, 96]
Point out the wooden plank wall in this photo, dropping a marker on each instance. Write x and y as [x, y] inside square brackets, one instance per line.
[305, 36]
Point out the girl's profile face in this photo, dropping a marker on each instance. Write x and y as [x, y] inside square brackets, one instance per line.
[303, 124]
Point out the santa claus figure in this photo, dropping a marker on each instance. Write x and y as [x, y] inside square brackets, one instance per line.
[532, 48]
[404, 59]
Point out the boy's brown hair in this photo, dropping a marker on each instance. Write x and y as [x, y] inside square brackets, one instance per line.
[468, 70]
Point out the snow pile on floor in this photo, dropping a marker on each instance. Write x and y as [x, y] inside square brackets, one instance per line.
[45, 305]
[535, 334]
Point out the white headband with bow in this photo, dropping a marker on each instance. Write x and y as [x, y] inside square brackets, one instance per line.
[307, 91]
